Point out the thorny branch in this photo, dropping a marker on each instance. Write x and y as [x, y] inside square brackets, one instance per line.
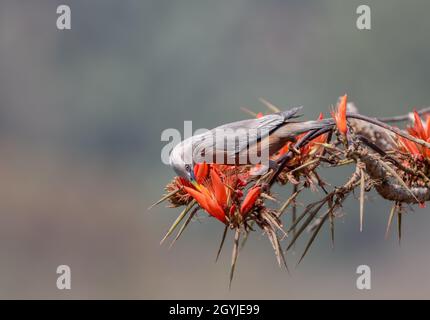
[393, 162]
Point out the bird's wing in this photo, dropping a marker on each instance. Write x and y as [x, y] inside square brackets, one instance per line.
[240, 134]
[266, 125]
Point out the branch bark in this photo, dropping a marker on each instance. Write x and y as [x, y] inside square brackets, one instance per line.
[388, 188]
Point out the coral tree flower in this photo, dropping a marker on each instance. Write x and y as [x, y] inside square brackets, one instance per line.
[201, 171]
[339, 115]
[249, 201]
[211, 196]
[219, 189]
[421, 130]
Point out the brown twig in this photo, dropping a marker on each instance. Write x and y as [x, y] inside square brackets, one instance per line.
[404, 117]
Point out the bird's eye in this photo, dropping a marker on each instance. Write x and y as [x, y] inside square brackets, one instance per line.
[187, 167]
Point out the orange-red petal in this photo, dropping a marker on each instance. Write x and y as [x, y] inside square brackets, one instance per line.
[427, 150]
[183, 182]
[215, 210]
[250, 199]
[207, 203]
[410, 146]
[340, 115]
[232, 210]
[418, 127]
[428, 126]
[219, 188]
[200, 197]
[201, 171]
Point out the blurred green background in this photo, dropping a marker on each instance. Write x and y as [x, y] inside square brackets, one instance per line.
[82, 111]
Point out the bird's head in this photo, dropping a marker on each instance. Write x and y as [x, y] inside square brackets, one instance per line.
[182, 163]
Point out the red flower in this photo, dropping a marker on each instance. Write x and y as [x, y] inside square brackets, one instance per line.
[339, 115]
[220, 191]
[421, 131]
[207, 201]
[201, 171]
[418, 130]
[410, 146]
[249, 201]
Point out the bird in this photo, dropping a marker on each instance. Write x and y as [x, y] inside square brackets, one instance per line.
[239, 142]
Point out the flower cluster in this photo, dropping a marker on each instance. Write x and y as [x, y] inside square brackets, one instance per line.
[421, 130]
[220, 191]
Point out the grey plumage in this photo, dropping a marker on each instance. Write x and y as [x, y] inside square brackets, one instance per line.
[238, 142]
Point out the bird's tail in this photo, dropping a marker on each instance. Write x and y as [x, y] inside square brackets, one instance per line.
[291, 113]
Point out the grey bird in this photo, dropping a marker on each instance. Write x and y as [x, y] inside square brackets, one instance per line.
[252, 137]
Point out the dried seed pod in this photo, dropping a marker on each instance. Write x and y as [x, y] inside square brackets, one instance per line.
[180, 197]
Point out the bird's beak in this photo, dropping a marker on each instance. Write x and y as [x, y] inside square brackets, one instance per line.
[194, 181]
[196, 184]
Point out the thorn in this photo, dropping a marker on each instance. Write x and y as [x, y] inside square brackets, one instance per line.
[252, 113]
[269, 105]
[165, 197]
[399, 225]
[222, 243]
[362, 186]
[390, 219]
[234, 255]
[178, 220]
